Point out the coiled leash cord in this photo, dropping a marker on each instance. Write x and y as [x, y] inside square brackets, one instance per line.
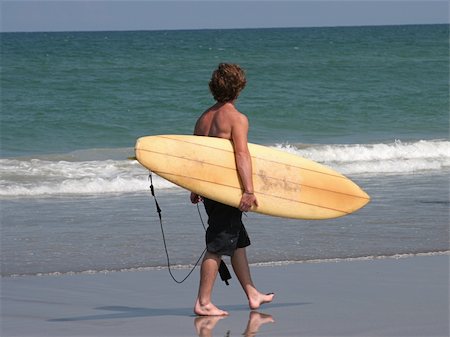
[223, 269]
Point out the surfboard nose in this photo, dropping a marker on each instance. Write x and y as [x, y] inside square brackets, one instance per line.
[364, 200]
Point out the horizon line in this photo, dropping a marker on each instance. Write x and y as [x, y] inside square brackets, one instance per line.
[212, 29]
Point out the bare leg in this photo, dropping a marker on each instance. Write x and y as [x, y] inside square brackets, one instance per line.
[242, 271]
[208, 273]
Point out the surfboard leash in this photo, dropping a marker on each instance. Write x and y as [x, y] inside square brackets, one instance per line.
[159, 211]
[223, 269]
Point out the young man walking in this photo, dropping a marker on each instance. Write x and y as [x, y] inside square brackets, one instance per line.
[226, 234]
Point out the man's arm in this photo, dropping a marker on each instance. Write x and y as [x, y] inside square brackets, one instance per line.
[195, 198]
[239, 136]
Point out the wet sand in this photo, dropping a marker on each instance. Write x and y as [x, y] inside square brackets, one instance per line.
[383, 297]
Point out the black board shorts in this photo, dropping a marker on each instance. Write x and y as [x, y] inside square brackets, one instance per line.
[225, 232]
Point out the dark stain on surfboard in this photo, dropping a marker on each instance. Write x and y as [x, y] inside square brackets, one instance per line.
[270, 183]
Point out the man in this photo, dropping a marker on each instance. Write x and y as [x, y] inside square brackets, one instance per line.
[226, 234]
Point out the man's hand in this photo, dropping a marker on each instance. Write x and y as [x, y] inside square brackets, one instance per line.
[195, 198]
[247, 201]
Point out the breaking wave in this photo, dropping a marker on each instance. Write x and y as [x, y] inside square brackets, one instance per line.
[397, 157]
[76, 173]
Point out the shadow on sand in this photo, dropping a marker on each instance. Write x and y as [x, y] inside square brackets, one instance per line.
[120, 312]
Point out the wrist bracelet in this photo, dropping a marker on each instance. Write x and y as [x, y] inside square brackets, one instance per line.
[251, 193]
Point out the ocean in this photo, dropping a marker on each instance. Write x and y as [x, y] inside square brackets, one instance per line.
[370, 102]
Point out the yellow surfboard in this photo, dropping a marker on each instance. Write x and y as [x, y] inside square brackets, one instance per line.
[285, 185]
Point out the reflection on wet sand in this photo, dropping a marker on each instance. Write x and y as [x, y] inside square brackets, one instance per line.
[204, 325]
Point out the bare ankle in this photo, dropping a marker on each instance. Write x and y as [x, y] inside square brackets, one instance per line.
[203, 302]
[256, 301]
[207, 309]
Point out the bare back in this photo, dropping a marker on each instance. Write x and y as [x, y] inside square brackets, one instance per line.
[218, 121]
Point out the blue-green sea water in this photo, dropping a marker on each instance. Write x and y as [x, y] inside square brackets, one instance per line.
[371, 102]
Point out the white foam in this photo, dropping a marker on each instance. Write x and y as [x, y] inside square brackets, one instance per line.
[24, 177]
[41, 177]
[350, 259]
[396, 157]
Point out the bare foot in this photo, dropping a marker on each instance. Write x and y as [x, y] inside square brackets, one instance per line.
[256, 301]
[208, 310]
[205, 325]
[255, 320]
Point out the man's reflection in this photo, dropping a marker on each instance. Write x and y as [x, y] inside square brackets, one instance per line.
[204, 325]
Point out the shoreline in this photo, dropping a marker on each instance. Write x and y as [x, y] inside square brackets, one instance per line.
[380, 297]
[255, 264]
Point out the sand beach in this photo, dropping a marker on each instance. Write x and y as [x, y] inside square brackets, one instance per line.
[405, 296]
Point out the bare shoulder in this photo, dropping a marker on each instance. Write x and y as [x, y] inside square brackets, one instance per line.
[240, 121]
[239, 131]
[237, 116]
